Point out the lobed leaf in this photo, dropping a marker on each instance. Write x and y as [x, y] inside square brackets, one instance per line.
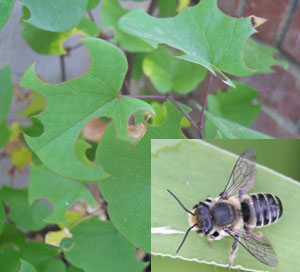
[51, 43]
[43, 257]
[71, 104]
[192, 170]
[26, 216]
[6, 7]
[110, 13]
[168, 73]
[98, 246]
[215, 44]
[260, 57]
[61, 192]
[239, 105]
[57, 17]
[127, 190]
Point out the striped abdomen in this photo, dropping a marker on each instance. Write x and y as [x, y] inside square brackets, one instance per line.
[267, 208]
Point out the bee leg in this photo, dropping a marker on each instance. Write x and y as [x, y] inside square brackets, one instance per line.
[232, 254]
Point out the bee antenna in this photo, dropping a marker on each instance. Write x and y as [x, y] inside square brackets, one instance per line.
[180, 203]
[186, 234]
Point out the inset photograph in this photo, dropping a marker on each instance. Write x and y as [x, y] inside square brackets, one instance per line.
[224, 205]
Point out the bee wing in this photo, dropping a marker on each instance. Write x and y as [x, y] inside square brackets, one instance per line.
[257, 245]
[242, 176]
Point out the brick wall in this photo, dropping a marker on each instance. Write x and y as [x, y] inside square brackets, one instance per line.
[280, 92]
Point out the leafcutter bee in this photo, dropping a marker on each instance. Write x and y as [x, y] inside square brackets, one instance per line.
[235, 213]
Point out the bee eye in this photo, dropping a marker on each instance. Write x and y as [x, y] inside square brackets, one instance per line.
[216, 234]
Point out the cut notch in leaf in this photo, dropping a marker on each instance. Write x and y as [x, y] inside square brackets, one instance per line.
[216, 45]
[127, 190]
[71, 104]
[59, 16]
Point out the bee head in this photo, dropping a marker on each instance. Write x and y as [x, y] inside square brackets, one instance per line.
[202, 218]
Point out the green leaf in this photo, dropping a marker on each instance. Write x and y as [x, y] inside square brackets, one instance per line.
[6, 92]
[57, 17]
[74, 269]
[92, 4]
[137, 67]
[2, 217]
[260, 57]
[195, 179]
[71, 104]
[167, 8]
[5, 10]
[160, 113]
[60, 191]
[98, 246]
[52, 43]
[240, 105]
[9, 260]
[229, 130]
[223, 128]
[127, 190]
[166, 264]
[29, 217]
[4, 134]
[27, 267]
[111, 12]
[11, 235]
[203, 33]
[168, 73]
[43, 257]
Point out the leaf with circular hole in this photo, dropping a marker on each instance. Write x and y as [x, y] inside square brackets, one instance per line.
[71, 104]
[127, 190]
[60, 191]
[98, 246]
[57, 16]
[111, 12]
[26, 216]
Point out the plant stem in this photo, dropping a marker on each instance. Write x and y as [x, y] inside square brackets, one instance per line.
[91, 16]
[176, 103]
[152, 7]
[206, 90]
[62, 67]
[126, 85]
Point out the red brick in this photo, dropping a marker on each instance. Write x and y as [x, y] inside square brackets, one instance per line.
[273, 11]
[291, 42]
[280, 91]
[229, 7]
[267, 125]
